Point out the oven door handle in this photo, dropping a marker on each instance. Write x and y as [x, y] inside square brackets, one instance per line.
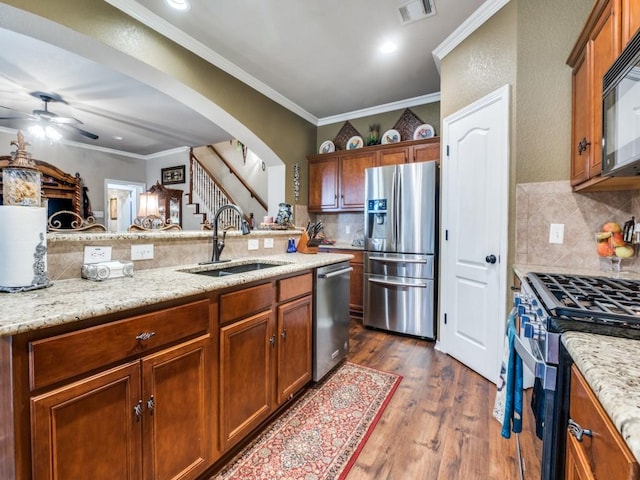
[546, 373]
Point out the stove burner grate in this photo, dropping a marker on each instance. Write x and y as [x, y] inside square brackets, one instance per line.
[594, 299]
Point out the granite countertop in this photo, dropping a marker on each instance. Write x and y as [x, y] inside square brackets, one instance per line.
[610, 366]
[77, 299]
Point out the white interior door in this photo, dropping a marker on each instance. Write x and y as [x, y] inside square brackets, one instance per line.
[475, 196]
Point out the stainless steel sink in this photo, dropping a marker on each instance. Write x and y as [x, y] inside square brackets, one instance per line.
[225, 270]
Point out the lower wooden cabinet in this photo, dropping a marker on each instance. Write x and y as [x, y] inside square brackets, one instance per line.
[265, 358]
[601, 453]
[148, 419]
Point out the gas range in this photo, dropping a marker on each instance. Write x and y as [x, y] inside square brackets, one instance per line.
[601, 305]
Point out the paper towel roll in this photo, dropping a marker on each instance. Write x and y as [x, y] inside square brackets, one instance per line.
[23, 246]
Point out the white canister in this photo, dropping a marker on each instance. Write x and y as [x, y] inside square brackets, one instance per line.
[23, 246]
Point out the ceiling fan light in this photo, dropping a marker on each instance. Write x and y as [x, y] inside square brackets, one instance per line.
[52, 134]
[179, 4]
[37, 131]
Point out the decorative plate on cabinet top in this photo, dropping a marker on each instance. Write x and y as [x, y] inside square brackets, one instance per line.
[327, 147]
[423, 131]
[355, 142]
[390, 136]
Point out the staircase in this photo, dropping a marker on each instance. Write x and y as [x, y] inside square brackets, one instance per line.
[207, 194]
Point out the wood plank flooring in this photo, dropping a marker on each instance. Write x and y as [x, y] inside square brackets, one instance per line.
[439, 424]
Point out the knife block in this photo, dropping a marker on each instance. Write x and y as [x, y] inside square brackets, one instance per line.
[302, 244]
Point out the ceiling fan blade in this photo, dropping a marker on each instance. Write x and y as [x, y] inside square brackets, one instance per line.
[82, 132]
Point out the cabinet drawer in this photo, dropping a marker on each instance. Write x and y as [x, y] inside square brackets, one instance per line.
[245, 302]
[605, 451]
[294, 286]
[64, 356]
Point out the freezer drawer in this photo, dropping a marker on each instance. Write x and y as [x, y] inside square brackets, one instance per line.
[399, 264]
[404, 305]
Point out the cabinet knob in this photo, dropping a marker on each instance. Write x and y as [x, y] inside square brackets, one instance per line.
[151, 403]
[145, 336]
[577, 431]
[283, 334]
[137, 410]
[272, 340]
[582, 145]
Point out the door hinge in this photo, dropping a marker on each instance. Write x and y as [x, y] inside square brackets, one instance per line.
[447, 150]
[445, 318]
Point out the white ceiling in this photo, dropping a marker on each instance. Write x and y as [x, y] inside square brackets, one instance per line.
[320, 59]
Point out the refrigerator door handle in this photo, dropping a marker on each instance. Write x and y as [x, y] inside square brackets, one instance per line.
[397, 260]
[394, 210]
[398, 284]
[399, 233]
[337, 273]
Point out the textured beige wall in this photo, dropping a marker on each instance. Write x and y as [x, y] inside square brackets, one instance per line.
[287, 134]
[428, 113]
[547, 31]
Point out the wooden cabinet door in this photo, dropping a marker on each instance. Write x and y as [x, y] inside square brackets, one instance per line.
[323, 185]
[247, 353]
[177, 425]
[630, 20]
[581, 139]
[352, 180]
[356, 287]
[427, 152]
[577, 465]
[392, 156]
[89, 429]
[603, 48]
[294, 347]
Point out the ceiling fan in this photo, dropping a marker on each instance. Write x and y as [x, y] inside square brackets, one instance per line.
[46, 116]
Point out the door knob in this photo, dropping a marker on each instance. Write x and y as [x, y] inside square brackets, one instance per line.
[490, 258]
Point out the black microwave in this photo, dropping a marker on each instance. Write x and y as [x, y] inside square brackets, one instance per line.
[621, 114]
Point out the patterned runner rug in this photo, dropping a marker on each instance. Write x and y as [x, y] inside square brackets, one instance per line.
[321, 435]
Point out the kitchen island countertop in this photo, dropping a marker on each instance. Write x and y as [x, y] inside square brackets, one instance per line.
[72, 300]
[610, 366]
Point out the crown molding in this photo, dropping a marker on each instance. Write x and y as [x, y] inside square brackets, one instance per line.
[157, 23]
[470, 25]
[387, 107]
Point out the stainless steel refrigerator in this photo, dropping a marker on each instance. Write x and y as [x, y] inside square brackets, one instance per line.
[400, 248]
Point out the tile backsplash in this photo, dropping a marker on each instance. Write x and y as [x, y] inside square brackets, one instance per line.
[538, 205]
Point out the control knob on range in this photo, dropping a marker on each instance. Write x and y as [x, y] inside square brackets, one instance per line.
[532, 330]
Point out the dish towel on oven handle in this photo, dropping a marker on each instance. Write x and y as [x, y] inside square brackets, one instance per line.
[507, 408]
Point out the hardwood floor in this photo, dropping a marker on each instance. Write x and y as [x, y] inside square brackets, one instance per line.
[439, 423]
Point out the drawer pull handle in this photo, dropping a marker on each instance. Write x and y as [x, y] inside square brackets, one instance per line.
[138, 410]
[145, 336]
[151, 403]
[577, 431]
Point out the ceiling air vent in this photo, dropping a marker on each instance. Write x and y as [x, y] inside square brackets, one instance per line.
[417, 10]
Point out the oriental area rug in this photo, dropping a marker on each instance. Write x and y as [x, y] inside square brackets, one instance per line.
[320, 436]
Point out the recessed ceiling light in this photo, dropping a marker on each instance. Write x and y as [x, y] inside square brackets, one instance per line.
[388, 47]
[118, 137]
[179, 4]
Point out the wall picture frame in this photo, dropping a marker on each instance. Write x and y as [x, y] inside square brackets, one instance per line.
[172, 175]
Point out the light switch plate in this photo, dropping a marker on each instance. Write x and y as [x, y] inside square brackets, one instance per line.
[253, 244]
[97, 254]
[142, 252]
[268, 243]
[556, 233]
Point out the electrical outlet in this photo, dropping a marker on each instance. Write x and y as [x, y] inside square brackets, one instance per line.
[142, 252]
[268, 243]
[556, 233]
[97, 254]
[253, 244]
[347, 229]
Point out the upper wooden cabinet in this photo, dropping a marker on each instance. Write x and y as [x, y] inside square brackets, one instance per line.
[609, 27]
[336, 180]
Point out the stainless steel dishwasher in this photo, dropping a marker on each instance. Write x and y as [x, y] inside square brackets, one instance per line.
[330, 317]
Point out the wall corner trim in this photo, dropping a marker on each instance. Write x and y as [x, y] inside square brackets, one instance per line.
[470, 25]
